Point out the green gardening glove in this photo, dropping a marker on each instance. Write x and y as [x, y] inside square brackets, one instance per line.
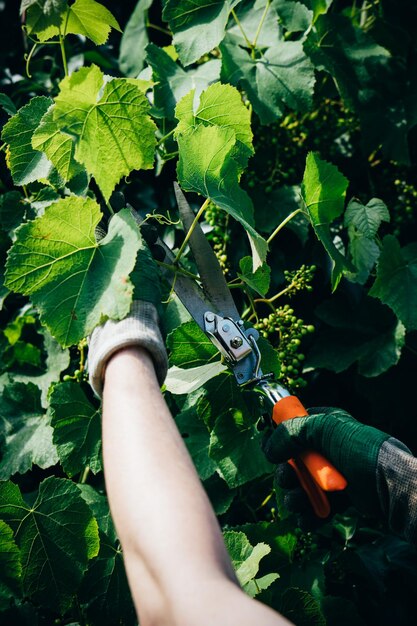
[352, 447]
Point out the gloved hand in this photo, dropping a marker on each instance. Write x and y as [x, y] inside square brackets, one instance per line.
[351, 446]
[139, 328]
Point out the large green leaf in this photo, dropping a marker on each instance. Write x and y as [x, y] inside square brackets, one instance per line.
[362, 332]
[396, 279]
[44, 17]
[10, 566]
[26, 164]
[259, 280]
[172, 82]
[7, 104]
[58, 147]
[246, 559]
[235, 445]
[114, 133]
[222, 106]
[91, 19]
[104, 589]
[85, 17]
[366, 218]
[198, 25]
[184, 381]
[74, 280]
[323, 191]
[134, 40]
[197, 439]
[250, 15]
[55, 553]
[207, 166]
[189, 346]
[282, 77]
[25, 430]
[295, 16]
[77, 429]
[12, 210]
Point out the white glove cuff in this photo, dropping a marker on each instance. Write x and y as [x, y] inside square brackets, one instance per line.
[140, 328]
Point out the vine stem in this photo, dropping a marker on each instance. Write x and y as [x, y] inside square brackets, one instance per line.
[261, 23]
[171, 132]
[277, 295]
[84, 475]
[29, 58]
[159, 28]
[178, 270]
[190, 232]
[283, 223]
[235, 17]
[64, 56]
[3, 146]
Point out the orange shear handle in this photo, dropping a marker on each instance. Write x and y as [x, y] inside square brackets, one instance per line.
[315, 473]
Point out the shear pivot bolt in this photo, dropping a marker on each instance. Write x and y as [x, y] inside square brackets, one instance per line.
[226, 328]
[236, 342]
[209, 317]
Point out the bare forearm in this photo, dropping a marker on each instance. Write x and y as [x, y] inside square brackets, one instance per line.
[178, 567]
[145, 460]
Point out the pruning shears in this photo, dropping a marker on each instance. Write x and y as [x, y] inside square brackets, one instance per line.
[213, 309]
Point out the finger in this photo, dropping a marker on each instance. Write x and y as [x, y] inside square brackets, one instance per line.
[282, 444]
[285, 476]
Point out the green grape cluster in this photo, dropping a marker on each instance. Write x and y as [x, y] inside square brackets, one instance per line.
[404, 213]
[305, 545]
[290, 331]
[300, 279]
[219, 234]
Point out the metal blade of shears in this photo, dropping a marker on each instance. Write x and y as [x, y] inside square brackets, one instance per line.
[212, 277]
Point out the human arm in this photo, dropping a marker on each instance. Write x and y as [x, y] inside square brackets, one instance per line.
[381, 472]
[177, 565]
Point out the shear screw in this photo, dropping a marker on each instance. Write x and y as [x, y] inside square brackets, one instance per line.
[236, 342]
[240, 375]
[209, 317]
[226, 328]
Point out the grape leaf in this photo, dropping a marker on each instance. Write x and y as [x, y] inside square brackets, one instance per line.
[172, 82]
[366, 218]
[236, 448]
[54, 553]
[282, 77]
[44, 17]
[189, 346]
[58, 147]
[12, 210]
[114, 133]
[134, 40]
[259, 280]
[25, 430]
[57, 360]
[222, 106]
[207, 166]
[198, 25]
[295, 16]
[104, 589]
[246, 559]
[250, 15]
[73, 280]
[396, 278]
[77, 429]
[180, 381]
[85, 17]
[10, 566]
[323, 190]
[362, 332]
[301, 607]
[26, 164]
[7, 104]
[197, 439]
[364, 253]
[91, 19]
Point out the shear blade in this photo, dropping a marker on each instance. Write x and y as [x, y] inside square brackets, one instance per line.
[212, 277]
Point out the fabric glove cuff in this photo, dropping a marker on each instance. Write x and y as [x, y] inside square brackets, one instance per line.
[140, 328]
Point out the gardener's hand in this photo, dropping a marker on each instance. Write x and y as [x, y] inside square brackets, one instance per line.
[139, 328]
[352, 447]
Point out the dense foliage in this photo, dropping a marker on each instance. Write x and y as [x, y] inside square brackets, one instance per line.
[294, 125]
